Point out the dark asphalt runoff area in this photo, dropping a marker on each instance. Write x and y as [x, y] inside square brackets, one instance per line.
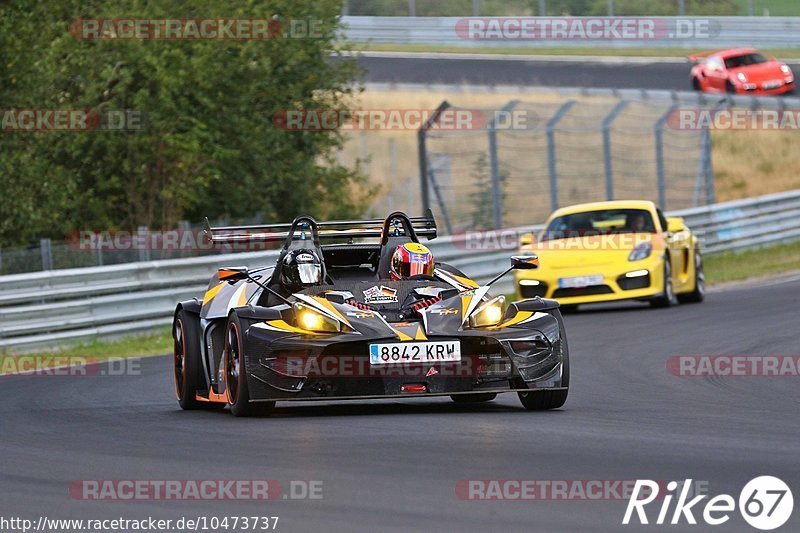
[664, 76]
[394, 465]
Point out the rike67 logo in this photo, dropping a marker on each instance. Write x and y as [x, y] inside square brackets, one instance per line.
[765, 503]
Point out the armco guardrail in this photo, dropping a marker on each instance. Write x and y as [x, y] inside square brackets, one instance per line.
[700, 33]
[45, 309]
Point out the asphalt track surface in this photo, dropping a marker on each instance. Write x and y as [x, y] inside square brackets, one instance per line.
[393, 465]
[664, 76]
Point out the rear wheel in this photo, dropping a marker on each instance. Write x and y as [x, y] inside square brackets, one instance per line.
[187, 365]
[667, 297]
[567, 309]
[474, 398]
[236, 373]
[699, 292]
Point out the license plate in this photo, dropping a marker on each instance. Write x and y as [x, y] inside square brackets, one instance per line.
[578, 282]
[772, 84]
[414, 352]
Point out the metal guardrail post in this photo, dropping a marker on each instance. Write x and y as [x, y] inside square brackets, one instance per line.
[497, 195]
[47, 254]
[660, 170]
[551, 151]
[622, 104]
[422, 153]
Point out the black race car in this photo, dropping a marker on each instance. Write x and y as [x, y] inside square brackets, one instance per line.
[358, 334]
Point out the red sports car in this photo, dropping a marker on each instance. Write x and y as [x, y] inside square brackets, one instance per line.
[740, 71]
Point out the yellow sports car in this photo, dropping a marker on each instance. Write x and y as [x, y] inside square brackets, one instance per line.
[610, 251]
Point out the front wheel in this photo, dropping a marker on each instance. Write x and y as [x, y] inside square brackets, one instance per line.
[667, 297]
[699, 292]
[236, 373]
[550, 399]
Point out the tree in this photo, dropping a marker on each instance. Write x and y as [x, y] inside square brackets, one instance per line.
[209, 145]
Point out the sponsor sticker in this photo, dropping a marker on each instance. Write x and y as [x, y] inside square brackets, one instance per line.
[380, 294]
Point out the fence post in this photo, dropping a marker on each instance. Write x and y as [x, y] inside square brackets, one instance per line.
[708, 167]
[551, 151]
[448, 226]
[422, 154]
[47, 254]
[542, 8]
[494, 163]
[660, 171]
[607, 146]
[1, 261]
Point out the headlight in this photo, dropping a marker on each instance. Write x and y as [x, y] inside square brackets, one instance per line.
[641, 251]
[785, 69]
[741, 77]
[312, 320]
[488, 314]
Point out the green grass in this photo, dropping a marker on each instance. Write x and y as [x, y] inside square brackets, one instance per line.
[734, 266]
[777, 8]
[565, 51]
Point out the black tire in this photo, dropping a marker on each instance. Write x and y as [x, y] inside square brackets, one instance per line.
[568, 309]
[695, 84]
[729, 88]
[551, 399]
[699, 292]
[236, 373]
[478, 397]
[667, 297]
[187, 365]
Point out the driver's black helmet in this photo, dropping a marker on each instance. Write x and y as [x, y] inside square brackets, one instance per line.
[300, 269]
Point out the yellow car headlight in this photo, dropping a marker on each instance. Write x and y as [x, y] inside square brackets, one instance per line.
[312, 320]
[489, 313]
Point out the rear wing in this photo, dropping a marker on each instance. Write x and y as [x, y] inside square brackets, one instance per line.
[697, 58]
[306, 227]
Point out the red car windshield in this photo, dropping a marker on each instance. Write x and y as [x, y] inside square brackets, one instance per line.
[601, 222]
[744, 60]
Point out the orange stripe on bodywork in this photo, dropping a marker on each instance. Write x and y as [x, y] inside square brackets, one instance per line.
[516, 319]
[465, 281]
[242, 298]
[466, 299]
[210, 293]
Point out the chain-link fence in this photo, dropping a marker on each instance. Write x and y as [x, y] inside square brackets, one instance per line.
[529, 158]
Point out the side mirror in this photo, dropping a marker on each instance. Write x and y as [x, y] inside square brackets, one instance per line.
[524, 262]
[232, 273]
[675, 225]
[526, 239]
